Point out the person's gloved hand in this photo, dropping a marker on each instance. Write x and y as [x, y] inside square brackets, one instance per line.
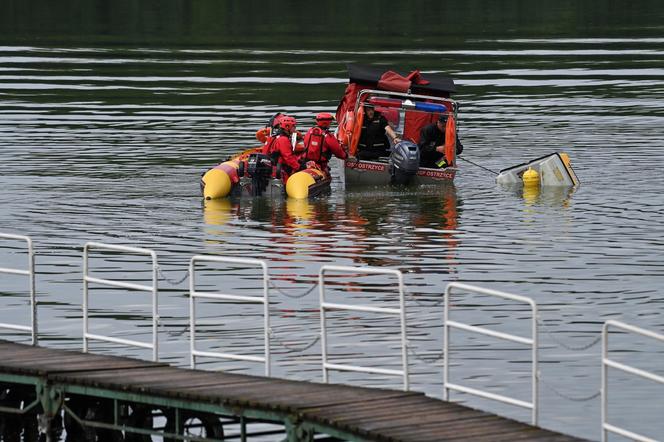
[304, 164]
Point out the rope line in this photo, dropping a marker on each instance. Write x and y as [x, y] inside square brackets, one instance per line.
[475, 164]
[184, 330]
[571, 398]
[169, 280]
[592, 343]
[290, 347]
[302, 295]
[433, 303]
[426, 359]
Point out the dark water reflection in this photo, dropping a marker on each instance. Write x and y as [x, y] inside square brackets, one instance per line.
[106, 142]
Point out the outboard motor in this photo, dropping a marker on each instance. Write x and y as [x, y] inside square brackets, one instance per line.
[259, 168]
[404, 162]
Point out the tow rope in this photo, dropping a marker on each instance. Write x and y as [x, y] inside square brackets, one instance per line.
[475, 164]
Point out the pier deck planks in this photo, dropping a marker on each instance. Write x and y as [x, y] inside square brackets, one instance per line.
[373, 414]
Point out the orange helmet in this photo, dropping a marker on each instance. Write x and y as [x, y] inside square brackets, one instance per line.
[324, 119]
[287, 123]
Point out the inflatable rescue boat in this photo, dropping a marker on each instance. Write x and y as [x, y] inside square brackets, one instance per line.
[251, 174]
[409, 103]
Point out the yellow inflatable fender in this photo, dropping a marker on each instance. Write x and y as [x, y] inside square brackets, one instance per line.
[298, 184]
[217, 184]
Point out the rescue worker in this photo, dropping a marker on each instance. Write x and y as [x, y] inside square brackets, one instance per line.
[373, 141]
[432, 144]
[272, 125]
[320, 144]
[280, 150]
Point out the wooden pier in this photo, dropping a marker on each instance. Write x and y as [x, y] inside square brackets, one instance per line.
[97, 397]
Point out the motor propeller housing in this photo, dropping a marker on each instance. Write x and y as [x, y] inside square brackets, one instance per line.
[404, 162]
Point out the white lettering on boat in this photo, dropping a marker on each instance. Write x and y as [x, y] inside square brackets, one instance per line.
[441, 174]
[365, 166]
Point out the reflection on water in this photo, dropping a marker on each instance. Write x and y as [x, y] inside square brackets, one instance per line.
[536, 195]
[106, 142]
[406, 221]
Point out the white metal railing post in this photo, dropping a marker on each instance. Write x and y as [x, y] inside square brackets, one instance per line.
[86, 269]
[153, 289]
[606, 363]
[401, 312]
[264, 300]
[155, 308]
[323, 327]
[30, 273]
[532, 341]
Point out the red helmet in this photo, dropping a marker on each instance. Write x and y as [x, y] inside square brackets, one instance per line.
[274, 121]
[324, 119]
[287, 123]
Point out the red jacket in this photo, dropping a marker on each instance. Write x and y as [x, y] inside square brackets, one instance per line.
[320, 145]
[279, 148]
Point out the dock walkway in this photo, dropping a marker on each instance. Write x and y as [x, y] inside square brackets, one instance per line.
[63, 378]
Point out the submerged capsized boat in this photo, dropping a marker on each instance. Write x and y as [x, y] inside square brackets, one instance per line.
[550, 170]
[250, 174]
[409, 103]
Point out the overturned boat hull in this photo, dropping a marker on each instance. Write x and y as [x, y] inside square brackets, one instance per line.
[554, 170]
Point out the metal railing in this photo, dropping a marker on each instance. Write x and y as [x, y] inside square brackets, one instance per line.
[87, 279]
[606, 363]
[401, 312]
[532, 341]
[30, 273]
[264, 300]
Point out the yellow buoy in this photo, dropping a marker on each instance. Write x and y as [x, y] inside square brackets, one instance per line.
[530, 178]
[217, 184]
[298, 184]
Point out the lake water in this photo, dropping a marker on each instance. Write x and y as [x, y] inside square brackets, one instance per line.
[109, 113]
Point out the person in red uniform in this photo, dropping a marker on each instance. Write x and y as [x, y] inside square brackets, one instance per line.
[320, 144]
[272, 125]
[279, 148]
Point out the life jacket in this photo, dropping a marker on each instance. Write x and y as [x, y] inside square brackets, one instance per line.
[270, 149]
[314, 143]
[372, 134]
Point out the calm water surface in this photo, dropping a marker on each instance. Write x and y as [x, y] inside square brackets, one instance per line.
[107, 142]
